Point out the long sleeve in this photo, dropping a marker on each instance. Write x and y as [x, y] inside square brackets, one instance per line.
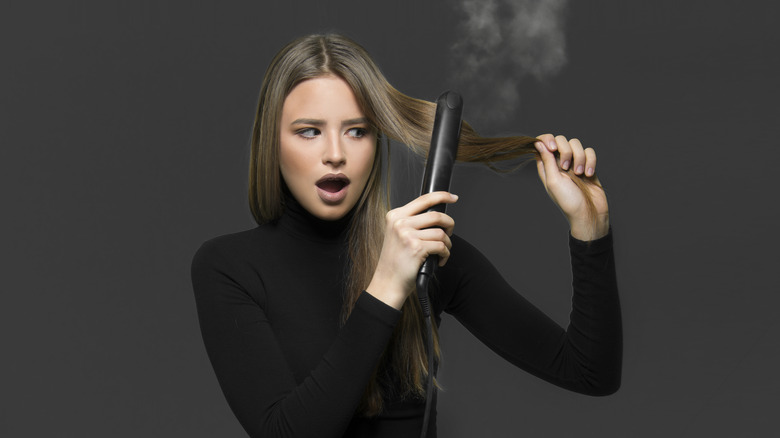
[252, 367]
[585, 357]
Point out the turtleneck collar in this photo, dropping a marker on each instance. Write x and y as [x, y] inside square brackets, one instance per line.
[298, 221]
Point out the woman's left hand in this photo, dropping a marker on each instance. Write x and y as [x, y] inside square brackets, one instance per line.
[564, 192]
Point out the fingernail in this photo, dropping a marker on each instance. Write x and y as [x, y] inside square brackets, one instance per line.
[579, 169]
[589, 172]
[565, 165]
[554, 145]
[538, 145]
[454, 196]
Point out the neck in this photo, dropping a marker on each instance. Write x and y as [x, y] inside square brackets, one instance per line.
[297, 220]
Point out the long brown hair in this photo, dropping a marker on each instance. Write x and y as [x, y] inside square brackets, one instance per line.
[396, 116]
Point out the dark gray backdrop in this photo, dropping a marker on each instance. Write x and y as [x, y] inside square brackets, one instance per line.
[124, 145]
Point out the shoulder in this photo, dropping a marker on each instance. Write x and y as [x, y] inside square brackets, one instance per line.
[236, 252]
[224, 246]
[228, 264]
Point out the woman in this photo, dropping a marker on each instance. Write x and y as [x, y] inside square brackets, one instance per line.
[306, 318]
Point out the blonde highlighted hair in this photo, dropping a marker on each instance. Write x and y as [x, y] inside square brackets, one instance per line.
[395, 116]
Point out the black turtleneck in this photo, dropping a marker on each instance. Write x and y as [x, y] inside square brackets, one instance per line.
[269, 302]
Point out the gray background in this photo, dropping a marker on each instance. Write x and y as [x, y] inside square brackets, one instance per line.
[124, 145]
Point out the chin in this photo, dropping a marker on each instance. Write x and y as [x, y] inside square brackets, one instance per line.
[332, 215]
[330, 212]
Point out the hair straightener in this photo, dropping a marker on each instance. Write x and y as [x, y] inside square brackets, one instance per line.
[438, 173]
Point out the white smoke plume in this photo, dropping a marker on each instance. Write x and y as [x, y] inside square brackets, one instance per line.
[503, 41]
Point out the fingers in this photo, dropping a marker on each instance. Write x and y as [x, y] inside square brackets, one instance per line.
[590, 162]
[437, 242]
[548, 140]
[548, 167]
[423, 232]
[431, 219]
[571, 154]
[426, 241]
[409, 240]
[424, 202]
[577, 154]
[431, 225]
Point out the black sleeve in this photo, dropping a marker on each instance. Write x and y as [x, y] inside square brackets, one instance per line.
[586, 357]
[252, 370]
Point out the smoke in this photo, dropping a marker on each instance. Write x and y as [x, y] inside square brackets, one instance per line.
[502, 42]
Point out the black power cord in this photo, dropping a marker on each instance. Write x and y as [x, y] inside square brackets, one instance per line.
[422, 295]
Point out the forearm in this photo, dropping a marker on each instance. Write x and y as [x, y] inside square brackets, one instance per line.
[583, 358]
[271, 392]
[595, 329]
[259, 386]
[325, 402]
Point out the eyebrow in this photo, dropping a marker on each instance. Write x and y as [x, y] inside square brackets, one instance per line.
[318, 122]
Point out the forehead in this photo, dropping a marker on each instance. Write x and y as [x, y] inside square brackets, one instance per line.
[322, 97]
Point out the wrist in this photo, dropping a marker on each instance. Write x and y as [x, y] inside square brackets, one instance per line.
[384, 290]
[587, 230]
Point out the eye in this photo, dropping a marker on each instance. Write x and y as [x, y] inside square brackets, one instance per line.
[357, 132]
[308, 132]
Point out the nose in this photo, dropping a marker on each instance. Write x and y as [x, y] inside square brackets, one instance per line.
[334, 151]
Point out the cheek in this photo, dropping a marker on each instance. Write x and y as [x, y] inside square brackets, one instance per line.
[291, 163]
[367, 161]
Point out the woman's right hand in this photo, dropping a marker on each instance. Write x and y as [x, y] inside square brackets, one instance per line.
[409, 240]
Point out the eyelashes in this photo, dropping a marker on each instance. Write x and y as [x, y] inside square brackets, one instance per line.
[311, 133]
[308, 132]
[357, 132]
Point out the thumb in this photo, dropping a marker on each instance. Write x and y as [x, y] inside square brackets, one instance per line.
[541, 172]
[548, 166]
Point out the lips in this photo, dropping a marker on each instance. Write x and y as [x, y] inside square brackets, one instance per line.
[332, 188]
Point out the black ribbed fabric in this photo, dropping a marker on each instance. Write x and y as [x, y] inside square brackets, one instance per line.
[269, 302]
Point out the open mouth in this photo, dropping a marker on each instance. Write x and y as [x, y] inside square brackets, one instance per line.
[333, 183]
